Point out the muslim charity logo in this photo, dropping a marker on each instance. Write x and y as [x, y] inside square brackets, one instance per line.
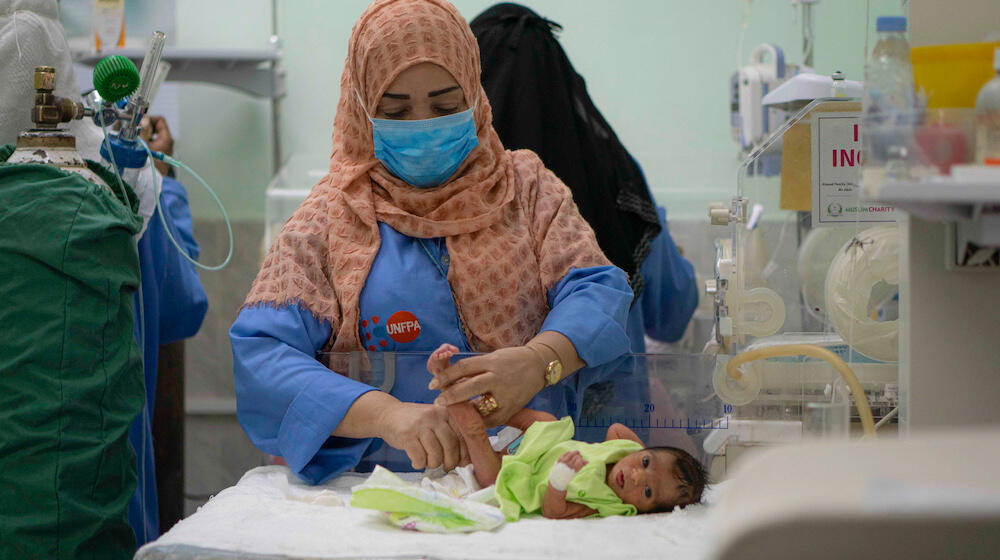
[403, 327]
[835, 209]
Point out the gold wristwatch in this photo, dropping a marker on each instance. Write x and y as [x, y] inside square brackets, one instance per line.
[553, 373]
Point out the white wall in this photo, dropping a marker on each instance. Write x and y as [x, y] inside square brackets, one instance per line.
[226, 135]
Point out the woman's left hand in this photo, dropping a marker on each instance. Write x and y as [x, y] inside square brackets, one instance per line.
[512, 375]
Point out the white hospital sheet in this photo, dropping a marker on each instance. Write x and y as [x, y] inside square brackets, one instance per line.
[271, 514]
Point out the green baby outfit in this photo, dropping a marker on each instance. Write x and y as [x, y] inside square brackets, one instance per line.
[524, 476]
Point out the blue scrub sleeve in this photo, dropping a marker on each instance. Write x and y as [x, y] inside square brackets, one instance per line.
[670, 293]
[589, 306]
[288, 402]
[183, 303]
[174, 202]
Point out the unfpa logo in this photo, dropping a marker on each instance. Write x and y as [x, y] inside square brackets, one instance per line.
[402, 327]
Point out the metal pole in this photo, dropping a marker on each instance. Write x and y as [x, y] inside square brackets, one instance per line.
[276, 96]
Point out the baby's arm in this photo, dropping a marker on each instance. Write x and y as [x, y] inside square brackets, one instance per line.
[554, 504]
[620, 431]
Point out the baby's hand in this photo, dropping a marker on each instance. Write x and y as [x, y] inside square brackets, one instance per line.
[573, 460]
[563, 472]
[441, 358]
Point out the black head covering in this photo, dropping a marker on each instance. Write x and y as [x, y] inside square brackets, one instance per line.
[540, 103]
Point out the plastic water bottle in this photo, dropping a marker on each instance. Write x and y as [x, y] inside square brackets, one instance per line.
[889, 100]
[988, 118]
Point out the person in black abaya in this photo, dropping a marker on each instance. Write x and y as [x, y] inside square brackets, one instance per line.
[541, 103]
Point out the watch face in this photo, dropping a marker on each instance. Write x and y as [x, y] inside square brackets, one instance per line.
[553, 372]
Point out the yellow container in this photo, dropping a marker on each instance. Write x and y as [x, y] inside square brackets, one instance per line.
[951, 75]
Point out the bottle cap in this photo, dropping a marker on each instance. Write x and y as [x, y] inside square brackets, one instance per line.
[890, 23]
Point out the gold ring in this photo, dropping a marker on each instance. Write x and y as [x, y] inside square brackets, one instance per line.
[487, 404]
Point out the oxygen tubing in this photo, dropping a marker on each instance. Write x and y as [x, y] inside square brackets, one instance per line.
[857, 392]
[159, 209]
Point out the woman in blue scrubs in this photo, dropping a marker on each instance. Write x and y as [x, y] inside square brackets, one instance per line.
[425, 231]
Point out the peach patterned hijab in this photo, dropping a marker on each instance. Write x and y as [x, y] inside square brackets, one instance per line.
[511, 227]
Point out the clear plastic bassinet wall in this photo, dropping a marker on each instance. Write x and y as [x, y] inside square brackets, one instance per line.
[668, 400]
[806, 268]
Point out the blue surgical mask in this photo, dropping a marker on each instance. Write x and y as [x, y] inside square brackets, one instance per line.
[424, 153]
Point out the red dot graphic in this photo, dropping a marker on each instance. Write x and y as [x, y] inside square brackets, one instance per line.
[371, 347]
[381, 343]
[368, 336]
[364, 323]
[375, 319]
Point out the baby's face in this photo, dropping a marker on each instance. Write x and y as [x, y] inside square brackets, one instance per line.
[647, 480]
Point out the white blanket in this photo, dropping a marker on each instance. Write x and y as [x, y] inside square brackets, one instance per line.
[271, 513]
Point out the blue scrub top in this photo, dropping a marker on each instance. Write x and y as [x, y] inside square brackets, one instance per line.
[289, 403]
[174, 305]
[670, 292]
[669, 295]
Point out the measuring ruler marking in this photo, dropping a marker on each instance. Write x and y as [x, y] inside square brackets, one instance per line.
[658, 424]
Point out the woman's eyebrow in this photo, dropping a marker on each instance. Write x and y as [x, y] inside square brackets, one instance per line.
[396, 95]
[438, 92]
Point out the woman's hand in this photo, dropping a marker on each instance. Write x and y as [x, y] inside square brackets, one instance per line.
[512, 375]
[157, 135]
[425, 433]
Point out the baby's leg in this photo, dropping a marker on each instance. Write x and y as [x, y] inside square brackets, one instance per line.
[621, 431]
[440, 359]
[485, 461]
[525, 417]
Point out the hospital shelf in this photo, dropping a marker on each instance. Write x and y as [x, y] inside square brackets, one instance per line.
[943, 200]
[252, 71]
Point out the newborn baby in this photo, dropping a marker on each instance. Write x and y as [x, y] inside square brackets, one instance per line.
[548, 472]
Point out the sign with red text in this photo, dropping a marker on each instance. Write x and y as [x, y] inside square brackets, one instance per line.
[836, 173]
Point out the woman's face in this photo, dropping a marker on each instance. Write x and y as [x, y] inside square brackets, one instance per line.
[422, 91]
